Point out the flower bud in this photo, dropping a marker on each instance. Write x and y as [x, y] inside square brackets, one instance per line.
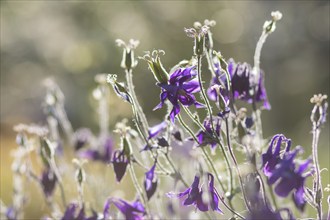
[319, 112]
[128, 61]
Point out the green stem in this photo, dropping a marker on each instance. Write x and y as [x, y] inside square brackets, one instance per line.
[204, 97]
[141, 115]
[209, 109]
[236, 166]
[139, 189]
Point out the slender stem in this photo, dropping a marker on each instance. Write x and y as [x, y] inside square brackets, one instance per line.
[207, 157]
[142, 117]
[317, 180]
[204, 97]
[230, 208]
[210, 63]
[236, 166]
[209, 161]
[139, 189]
[206, 101]
[272, 196]
[195, 119]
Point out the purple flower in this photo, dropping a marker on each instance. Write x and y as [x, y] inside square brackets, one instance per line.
[288, 178]
[195, 196]
[206, 137]
[72, 212]
[103, 155]
[131, 211]
[272, 157]
[179, 89]
[120, 162]
[150, 182]
[243, 85]
[48, 182]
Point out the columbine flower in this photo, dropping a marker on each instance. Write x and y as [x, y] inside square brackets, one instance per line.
[280, 168]
[103, 155]
[48, 182]
[243, 86]
[180, 88]
[206, 137]
[131, 211]
[195, 196]
[150, 182]
[289, 178]
[120, 162]
[272, 157]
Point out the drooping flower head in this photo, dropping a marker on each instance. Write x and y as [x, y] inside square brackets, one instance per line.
[283, 171]
[180, 88]
[243, 84]
[195, 196]
[289, 177]
[120, 162]
[150, 182]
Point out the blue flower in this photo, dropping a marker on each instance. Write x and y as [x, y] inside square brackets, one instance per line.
[150, 182]
[288, 178]
[195, 196]
[180, 89]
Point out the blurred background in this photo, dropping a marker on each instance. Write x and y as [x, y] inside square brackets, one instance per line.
[73, 41]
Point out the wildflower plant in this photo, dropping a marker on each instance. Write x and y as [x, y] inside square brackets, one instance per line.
[172, 172]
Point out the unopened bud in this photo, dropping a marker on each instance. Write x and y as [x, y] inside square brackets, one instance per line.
[128, 61]
[270, 26]
[319, 112]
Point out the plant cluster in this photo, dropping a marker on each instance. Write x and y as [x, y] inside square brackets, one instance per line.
[228, 167]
